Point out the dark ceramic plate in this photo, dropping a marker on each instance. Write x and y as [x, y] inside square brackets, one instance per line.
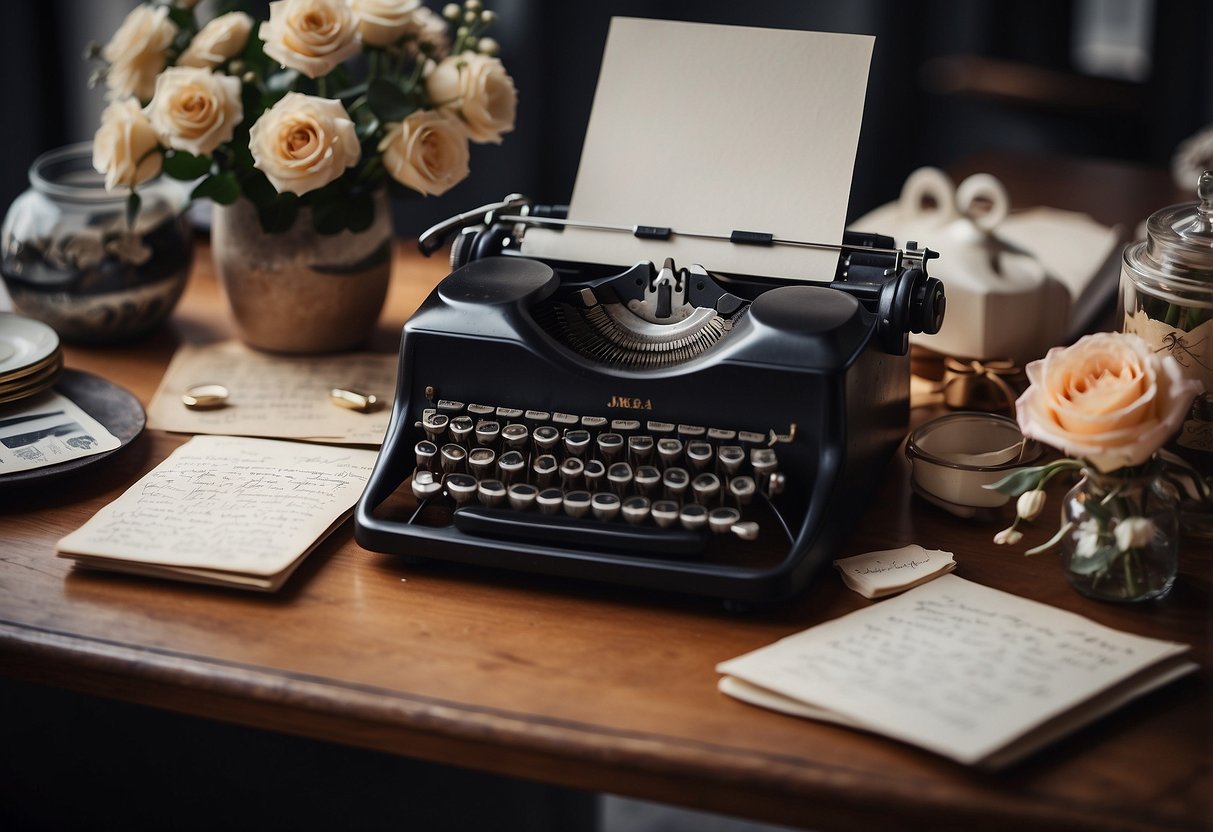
[117, 409]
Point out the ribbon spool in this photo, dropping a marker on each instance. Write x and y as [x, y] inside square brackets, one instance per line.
[969, 384]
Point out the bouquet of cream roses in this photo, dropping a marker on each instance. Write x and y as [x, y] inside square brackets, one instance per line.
[317, 107]
[1110, 403]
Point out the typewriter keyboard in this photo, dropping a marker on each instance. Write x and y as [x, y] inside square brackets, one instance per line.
[620, 483]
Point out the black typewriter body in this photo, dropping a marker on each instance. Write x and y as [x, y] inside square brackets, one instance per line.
[778, 403]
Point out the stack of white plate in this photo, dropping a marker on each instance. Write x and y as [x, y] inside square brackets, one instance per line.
[30, 357]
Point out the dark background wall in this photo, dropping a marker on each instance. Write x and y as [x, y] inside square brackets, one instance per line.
[948, 78]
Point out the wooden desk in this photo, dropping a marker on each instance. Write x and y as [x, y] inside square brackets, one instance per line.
[594, 687]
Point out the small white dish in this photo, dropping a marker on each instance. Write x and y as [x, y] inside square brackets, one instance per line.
[24, 342]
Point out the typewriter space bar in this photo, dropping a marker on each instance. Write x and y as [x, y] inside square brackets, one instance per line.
[530, 527]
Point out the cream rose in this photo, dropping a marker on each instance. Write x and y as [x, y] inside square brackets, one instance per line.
[383, 22]
[312, 36]
[195, 109]
[303, 143]
[1108, 399]
[479, 89]
[136, 52]
[427, 152]
[125, 147]
[220, 40]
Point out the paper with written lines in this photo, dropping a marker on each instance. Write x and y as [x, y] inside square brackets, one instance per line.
[963, 670]
[712, 129]
[226, 506]
[279, 396]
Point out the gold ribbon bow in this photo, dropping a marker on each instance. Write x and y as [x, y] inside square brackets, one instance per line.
[969, 384]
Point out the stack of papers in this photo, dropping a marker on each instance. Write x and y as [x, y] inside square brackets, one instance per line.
[969, 672]
[878, 574]
[225, 510]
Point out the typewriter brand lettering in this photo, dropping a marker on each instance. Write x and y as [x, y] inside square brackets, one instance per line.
[630, 403]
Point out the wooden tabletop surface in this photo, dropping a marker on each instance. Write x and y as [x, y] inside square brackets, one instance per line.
[590, 686]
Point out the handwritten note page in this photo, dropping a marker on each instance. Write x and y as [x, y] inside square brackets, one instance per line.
[877, 574]
[710, 129]
[249, 507]
[278, 396]
[954, 667]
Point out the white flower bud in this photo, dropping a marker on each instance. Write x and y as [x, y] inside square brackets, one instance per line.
[1008, 537]
[1133, 533]
[1030, 503]
[452, 12]
[470, 17]
[488, 46]
[473, 5]
[488, 17]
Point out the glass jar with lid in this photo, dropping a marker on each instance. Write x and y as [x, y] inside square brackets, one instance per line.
[1166, 290]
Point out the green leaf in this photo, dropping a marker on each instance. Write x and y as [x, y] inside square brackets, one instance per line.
[259, 190]
[280, 214]
[1098, 561]
[133, 203]
[221, 188]
[1026, 479]
[328, 217]
[387, 101]
[360, 212]
[181, 165]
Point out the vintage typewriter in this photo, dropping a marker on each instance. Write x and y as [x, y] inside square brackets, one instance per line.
[660, 425]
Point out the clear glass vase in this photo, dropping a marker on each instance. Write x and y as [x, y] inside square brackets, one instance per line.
[1123, 539]
[300, 291]
[70, 257]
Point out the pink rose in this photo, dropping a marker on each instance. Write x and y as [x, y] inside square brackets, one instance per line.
[1108, 399]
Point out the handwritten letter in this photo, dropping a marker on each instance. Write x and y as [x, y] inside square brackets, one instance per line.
[228, 504]
[951, 666]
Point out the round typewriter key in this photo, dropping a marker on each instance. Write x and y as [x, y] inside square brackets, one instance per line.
[425, 451]
[205, 397]
[776, 484]
[668, 450]
[491, 492]
[699, 454]
[577, 503]
[764, 461]
[452, 457]
[747, 530]
[610, 446]
[648, 479]
[732, 457]
[640, 448]
[636, 509]
[675, 481]
[510, 465]
[425, 485]
[488, 432]
[434, 425]
[742, 489]
[544, 468]
[515, 436]
[570, 472]
[460, 487]
[665, 513]
[619, 476]
[605, 505]
[522, 496]
[461, 427]
[576, 441]
[706, 487]
[550, 500]
[546, 437]
[480, 462]
[722, 520]
[693, 517]
[594, 473]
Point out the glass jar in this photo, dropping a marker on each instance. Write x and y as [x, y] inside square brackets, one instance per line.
[70, 259]
[1167, 295]
[1123, 538]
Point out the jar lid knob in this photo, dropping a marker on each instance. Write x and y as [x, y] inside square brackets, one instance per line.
[1204, 192]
